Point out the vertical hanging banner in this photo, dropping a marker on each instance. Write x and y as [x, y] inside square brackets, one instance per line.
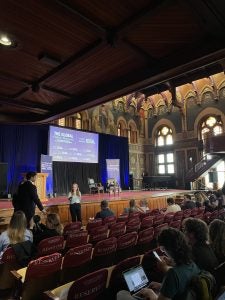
[113, 169]
[46, 167]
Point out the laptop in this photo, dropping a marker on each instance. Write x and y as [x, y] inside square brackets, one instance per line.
[136, 279]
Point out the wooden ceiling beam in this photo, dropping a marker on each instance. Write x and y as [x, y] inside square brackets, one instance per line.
[28, 106]
[93, 25]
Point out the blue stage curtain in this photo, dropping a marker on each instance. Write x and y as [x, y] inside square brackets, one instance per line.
[116, 147]
[21, 147]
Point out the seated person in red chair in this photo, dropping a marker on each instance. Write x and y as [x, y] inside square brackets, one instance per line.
[105, 211]
[53, 227]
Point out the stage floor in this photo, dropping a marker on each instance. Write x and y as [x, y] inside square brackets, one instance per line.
[87, 198]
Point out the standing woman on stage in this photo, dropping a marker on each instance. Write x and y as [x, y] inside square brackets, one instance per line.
[74, 198]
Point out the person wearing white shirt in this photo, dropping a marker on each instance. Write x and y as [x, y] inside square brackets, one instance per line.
[74, 198]
[172, 207]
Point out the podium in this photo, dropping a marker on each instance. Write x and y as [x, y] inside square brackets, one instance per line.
[41, 185]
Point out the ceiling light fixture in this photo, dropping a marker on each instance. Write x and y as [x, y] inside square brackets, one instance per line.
[5, 40]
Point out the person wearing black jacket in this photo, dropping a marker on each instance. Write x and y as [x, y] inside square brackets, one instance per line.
[27, 197]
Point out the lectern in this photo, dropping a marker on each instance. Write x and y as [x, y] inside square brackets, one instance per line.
[41, 185]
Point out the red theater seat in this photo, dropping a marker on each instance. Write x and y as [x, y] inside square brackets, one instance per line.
[71, 228]
[89, 287]
[7, 264]
[125, 246]
[176, 224]
[178, 215]
[145, 238]
[98, 234]
[168, 218]
[42, 274]
[76, 239]
[104, 253]
[133, 225]
[50, 245]
[117, 229]
[76, 263]
[186, 213]
[147, 222]
[109, 221]
[93, 224]
[122, 218]
[158, 220]
[194, 212]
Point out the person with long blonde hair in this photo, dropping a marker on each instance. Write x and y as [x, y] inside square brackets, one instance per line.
[74, 198]
[16, 232]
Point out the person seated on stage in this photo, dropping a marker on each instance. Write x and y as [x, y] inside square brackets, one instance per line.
[133, 207]
[196, 233]
[53, 227]
[188, 203]
[16, 232]
[172, 207]
[177, 278]
[105, 210]
[144, 205]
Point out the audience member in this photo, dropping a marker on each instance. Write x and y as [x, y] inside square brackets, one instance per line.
[52, 228]
[144, 205]
[74, 198]
[188, 203]
[16, 232]
[200, 197]
[27, 197]
[176, 280]
[133, 207]
[217, 238]
[210, 202]
[196, 232]
[105, 210]
[220, 199]
[172, 207]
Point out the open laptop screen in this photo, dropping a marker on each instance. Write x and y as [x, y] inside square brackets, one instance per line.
[136, 279]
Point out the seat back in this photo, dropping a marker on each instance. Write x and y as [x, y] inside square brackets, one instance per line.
[8, 256]
[125, 246]
[144, 242]
[71, 228]
[201, 210]
[168, 218]
[117, 282]
[109, 220]
[104, 253]
[178, 215]
[122, 218]
[76, 263]
[50, 245]
[76, 239]
[176, 224]
[8, 263]
[89, 287]
[187, 213]
[93, 224]
[134, 215]
[159, 228]
[42, 274]
[91, 183]
[194, 211]
[98, 234]
[117, 229]
[133, 225]
[158, 219]
[147, 222]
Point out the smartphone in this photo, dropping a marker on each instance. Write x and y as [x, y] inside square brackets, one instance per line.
[156, 255]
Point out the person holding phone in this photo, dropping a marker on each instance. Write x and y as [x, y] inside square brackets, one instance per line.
[74, 198]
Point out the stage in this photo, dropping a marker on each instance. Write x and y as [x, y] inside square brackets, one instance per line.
[90, 203]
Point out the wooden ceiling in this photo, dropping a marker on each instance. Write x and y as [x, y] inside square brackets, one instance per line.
[74, 54]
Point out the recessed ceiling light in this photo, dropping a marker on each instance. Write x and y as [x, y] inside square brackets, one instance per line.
[5, 40]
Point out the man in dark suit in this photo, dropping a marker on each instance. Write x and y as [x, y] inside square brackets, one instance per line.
[27, 197]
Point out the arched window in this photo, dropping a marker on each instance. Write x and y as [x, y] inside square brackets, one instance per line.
[62, 122]
[211, 126]
[75, 121]
[165, 160]
[121, 129]
[132, 134]
[164, 136]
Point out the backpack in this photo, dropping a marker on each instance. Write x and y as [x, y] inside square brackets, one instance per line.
[202, 287]
[24, 252]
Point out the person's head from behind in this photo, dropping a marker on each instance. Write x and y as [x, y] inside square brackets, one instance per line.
[170, 201]
[187, 197]
[217, 236]
[132, 203]
[196, 231]
[17, 227]
[53, 222]
[143, 203]
[104, 204]
[31, 176]
[173, 243]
